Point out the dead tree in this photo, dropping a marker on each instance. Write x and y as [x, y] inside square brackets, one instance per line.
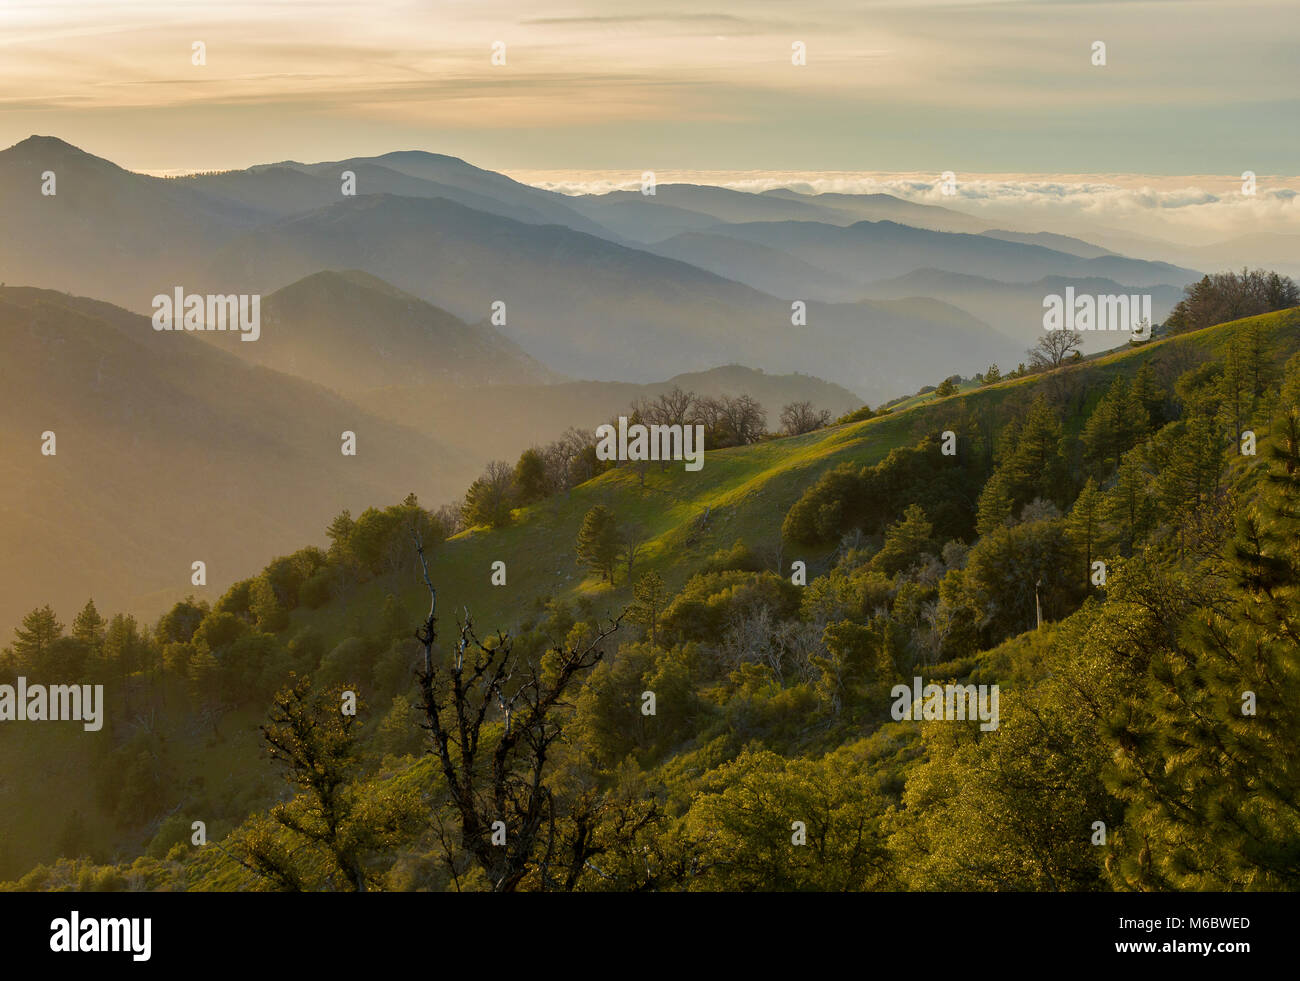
[497, 789]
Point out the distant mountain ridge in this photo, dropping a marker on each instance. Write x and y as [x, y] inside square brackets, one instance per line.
[351, 332]
[577, 296]
[169, 451]
[867, 251]
[592, 307]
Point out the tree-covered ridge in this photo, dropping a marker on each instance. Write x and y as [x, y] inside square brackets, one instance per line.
[772, 699]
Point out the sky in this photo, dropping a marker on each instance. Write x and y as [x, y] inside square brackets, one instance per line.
[1188, 87]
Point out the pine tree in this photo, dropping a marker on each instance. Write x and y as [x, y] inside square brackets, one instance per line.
[1127, 508]
[33, 639]
[1235, 391]
[649, 596]
[906, 542]
[1098, 436]
[88, 626]
[995, 505]
[340, 534]
[1260, 367]
[1205, 749]
[1084, 525]
[1118, 422]
[1037, 467]
[1150, 397]
[1190, 460]
[598, 543]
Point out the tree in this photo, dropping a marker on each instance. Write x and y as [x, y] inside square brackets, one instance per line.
[530, 477]
[798, 418]
[33, 639]
[1127, 508]
[906, 542]
[1147, 394]
[340, 534]
[1225, 296]
[287, 573]
[178, 624]
[1053, 348]
[489, 499]
[598, 542]
[649, 596]
[1084, 524]
[1189, 458]
[946, 387]
[269, 614]
[994, 374]
[746, 815]
[673, 408]
[1004, 571]
[1200, 730]
[858, 415]
[1235, 390]
[1115, 426]
[1037, 466]
[732, 421]
[1010, 810]
[204, 676]
[995, 505]
[631, 537]
[858, 663]
[316, 741]
[571, 459]
[1205, 759]
[88, 626]
[512, 822]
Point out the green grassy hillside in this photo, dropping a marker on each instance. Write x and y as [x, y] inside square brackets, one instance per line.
[744, 492]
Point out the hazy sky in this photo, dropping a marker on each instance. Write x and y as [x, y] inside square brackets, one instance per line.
[1188, 88]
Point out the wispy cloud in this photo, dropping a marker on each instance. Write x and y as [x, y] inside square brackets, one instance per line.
[1191, 210]
[1187, 85]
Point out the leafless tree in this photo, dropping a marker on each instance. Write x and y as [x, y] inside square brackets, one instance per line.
[565, 460]
[732, 420]
[749, 639]
[798, 418]
[746, 417]
[1053, 348]
[449, 516]
[801, 643]
[503, 782]
[675, 408]
[575, 443]
[756, 636]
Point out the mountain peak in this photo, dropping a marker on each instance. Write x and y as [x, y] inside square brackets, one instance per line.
[53, 149]
[47, 143]
[423, 155]
[351, 280]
